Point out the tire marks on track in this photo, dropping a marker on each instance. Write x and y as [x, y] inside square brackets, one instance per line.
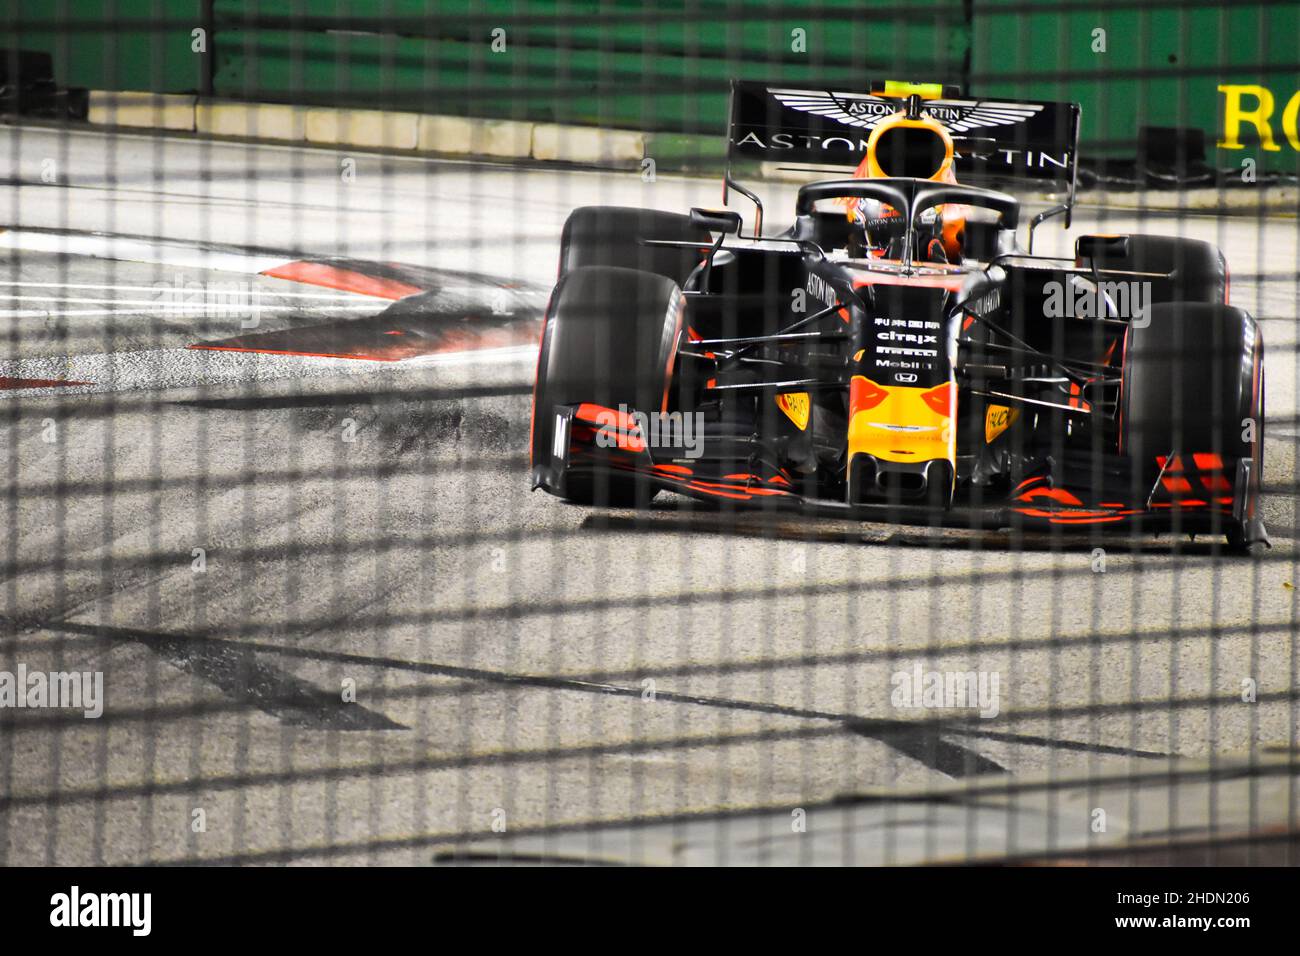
[240, 674]
[222, 661]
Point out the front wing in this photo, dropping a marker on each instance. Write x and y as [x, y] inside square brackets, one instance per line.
[1194, 494]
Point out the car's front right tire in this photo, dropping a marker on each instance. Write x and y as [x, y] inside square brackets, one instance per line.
[1193, 383]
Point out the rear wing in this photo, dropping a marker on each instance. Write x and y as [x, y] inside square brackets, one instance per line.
[995, 142]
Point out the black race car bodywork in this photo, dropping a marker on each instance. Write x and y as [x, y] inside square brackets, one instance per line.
[987, 389]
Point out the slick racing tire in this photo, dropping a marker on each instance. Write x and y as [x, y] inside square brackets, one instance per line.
[611, 236]
[610, 338]
[1193, 381]
[1197, 270]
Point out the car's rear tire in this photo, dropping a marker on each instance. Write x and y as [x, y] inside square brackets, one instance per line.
[1193, 382]
[1197, 270]
[610, 338]
[612, 236]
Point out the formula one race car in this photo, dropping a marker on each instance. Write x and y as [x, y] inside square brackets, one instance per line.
[898, 356]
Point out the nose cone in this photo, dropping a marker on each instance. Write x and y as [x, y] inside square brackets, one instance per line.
[896, 433]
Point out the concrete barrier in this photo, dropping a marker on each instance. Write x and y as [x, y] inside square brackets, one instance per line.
[376, 129]
[145, 110]
[586, 144]
[456, 135]
[373, 129]
[252, 120]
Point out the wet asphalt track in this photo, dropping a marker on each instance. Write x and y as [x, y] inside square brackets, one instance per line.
[516, 661]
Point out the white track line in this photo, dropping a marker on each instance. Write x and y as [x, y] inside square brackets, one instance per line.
[205, 309]
[343, 296]
[135, 250]
[181, 368]
[233, 298]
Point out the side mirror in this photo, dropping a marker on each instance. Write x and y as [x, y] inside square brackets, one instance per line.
[1100, 247]
[716, 220]
[1065, 210]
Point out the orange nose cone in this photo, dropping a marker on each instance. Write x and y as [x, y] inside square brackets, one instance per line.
[865, 394]
[940, 399]
[901, 423]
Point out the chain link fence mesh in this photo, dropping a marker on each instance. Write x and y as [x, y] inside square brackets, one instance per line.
[276, 588]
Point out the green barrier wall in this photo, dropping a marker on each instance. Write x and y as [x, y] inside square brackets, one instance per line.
[661, 67]
[664, 67]
[1162, 66]
[113, 44]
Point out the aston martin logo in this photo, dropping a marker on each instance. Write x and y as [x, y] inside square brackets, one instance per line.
[864, 111]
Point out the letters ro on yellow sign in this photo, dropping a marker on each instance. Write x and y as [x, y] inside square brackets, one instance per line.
[1249, 103]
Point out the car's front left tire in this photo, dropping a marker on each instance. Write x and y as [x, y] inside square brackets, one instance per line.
[610, 338]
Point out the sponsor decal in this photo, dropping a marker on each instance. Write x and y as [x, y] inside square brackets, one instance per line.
[897, 341]
[994, 139]
[995, 156]
[865, 111]
[892, 350]
[804, 141]
[561, 438]
[986, 304]
[797, 407]
[998, 419]
[913, 337]
[1253, 105]
[821, 290]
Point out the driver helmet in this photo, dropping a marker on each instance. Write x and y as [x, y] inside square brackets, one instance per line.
[915, 145]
